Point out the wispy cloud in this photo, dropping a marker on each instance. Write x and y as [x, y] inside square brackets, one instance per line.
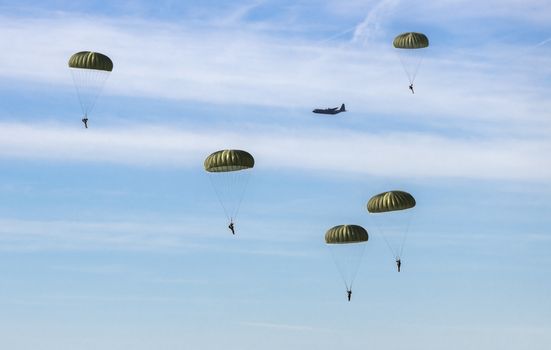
[97, 269]
[534, 11]
[238, 14]
[70, 235]
[544, 42]
[167, 234]
[287, 327]
[371, 26]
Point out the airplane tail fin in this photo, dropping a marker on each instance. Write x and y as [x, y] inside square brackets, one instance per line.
[342, 108]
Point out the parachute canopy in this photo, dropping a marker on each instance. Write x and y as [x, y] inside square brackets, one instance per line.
[344, 234]
[228, 160]
[347, 245]
[91, 60]
[390, 201]
[90, 71]
[407, 45]
[411, 40]
[229, 171]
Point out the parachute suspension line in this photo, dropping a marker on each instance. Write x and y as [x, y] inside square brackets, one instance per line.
[89, 84]
[392, 250]
[232, 183]
[382, 234]
[242, 194]
[404, 66]
[402, 244]
[219, 195]
[355, 273]
[351, 264]
[404, 236]
[416, 69]
[225, 186]
[236, 182]
[77, 89]
[100, 78]
[341, 272]
[348, 287]
[408, 62]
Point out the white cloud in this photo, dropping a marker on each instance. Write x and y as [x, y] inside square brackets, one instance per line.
[481, 89]
[393, 154]
[495, 106]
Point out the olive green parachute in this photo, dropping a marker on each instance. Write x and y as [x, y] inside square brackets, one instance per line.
[347, 246]
[344, 234]
[411, 40]
[229, 171]
[91, 60]
[389, 216]
[228, 160]
[410, 49]
[390, 201]
[90, 71]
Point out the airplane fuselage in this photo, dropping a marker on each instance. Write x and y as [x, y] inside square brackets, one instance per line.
[335, 110]
[326, 111]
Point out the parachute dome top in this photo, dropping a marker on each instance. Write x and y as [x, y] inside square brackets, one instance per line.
[91, 60]
[344, 234]
[228, 160]
[390, 201]
[411, 40]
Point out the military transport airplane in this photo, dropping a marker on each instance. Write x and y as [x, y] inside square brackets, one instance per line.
[335, 110]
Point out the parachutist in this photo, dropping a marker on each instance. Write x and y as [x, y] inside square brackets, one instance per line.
[347, 244]
[229, 170]
[90, 70]
[410, 48]
[398, 263]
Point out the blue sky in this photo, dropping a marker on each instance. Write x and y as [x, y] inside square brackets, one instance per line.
[113, 237]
